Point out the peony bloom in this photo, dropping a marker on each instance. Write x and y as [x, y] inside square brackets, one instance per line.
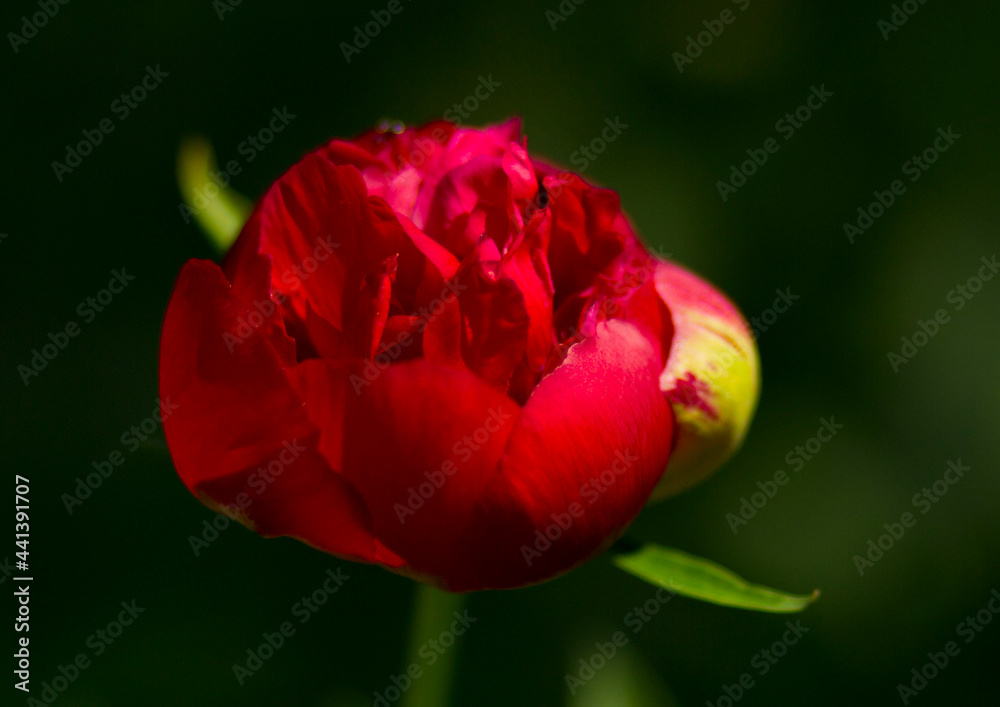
[431, 351]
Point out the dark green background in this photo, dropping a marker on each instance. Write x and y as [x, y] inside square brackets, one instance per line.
[826, 356]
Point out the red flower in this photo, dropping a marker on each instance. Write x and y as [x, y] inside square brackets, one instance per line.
[429, 351]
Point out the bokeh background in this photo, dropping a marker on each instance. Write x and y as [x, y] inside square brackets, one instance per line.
[825, 357]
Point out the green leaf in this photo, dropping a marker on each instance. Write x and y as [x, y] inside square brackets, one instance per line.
[219, 210]
[699, 578]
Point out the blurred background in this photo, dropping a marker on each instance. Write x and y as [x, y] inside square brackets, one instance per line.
[691, 112]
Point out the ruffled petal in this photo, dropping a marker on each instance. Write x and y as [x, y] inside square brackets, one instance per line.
[526, 265]
[332, 247]
[589, 446]
[496, 321]
[588, 232]
[418, 441]
[236, 416]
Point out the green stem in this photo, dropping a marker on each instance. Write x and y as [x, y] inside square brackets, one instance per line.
[432, 614]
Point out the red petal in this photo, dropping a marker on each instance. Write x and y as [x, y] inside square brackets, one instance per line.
[236, 411]
[469, 202]
[496, 320]
[526, 265]
[588, 233]
[601, 410]
[411, 426]
[329, 242]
